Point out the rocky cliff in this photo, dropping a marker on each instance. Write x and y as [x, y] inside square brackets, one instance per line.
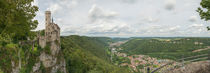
[53, 60]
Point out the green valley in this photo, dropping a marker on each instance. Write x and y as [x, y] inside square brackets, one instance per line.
[171, 48]
[88, 55]
[139, 54]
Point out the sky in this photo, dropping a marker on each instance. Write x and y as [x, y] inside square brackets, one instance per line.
[125, 18]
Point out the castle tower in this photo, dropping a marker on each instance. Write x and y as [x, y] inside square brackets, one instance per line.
[47, 22]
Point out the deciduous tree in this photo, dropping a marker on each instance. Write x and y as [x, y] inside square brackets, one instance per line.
[204, 10]
[17, 18]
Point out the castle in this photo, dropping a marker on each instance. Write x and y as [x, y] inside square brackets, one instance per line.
[51, 34]
[52, 30]
[50, 42]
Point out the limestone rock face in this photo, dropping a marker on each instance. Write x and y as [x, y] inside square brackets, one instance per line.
[36, 67]
[15, 69]
[61, 67]
[54, 48]
[51, 63]
[47, 60]
[42, 41]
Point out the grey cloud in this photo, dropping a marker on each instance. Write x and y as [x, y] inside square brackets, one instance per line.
[158, 30]
[69, 3]
[35, 2]
[197, 25]
[151, 20]
[174, 29]
[170, 4]
[96, 13]
[115, 17]
[55, 8]
[101, 27]
[129, 1]
[193, 18]
[113, 27]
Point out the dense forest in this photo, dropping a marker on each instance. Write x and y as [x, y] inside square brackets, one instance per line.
[171, 48]
[88, 55]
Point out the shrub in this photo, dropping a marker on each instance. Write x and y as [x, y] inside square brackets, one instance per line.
[47, 48]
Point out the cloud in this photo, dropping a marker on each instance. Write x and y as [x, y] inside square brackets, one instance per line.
[146, 19]
[197, 29]
[197, 25]
[159, 30]
[123, 17]
[99, 13]
[54, 8]
[35, 3]
[193, 18]
[151, 20]
[69, 3]
[113, 27]
[175, 28]
[103, 23]
[101, 28]
[129, 1]
[170, 4]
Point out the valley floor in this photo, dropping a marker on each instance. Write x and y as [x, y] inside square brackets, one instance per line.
[140, 63]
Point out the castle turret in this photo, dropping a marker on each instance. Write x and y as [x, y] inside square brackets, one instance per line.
[48, 18]
[47, 22]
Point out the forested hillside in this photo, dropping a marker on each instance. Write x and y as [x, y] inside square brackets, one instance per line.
[173, 48]
[88, 55]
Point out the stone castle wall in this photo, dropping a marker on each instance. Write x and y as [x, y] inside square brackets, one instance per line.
[42, 41]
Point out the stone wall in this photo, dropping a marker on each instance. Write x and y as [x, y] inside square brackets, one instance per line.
[42, 41]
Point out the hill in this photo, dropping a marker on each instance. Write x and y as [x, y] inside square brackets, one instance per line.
[88, 55]
[168, 48]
